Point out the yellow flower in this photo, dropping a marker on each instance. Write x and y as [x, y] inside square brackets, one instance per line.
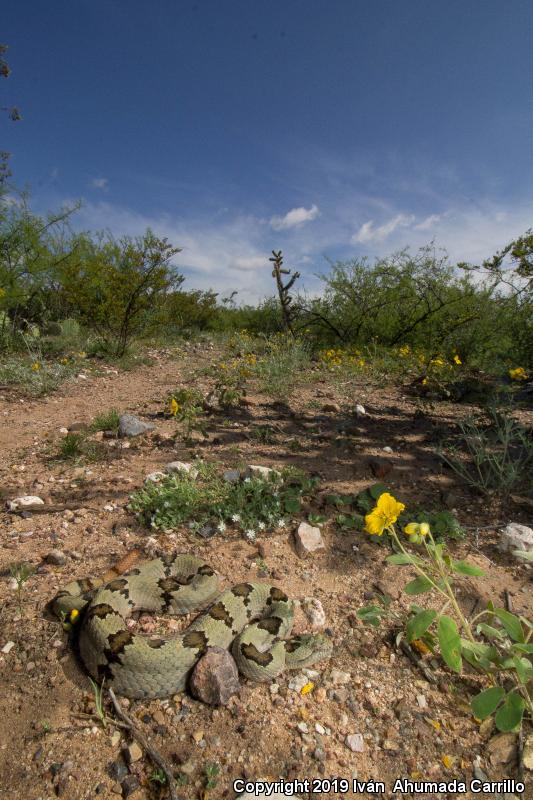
[2, 292]
[36, 366]
[174, 407]
[518, 374]
[424, 381]
[385, 514]
[457, 360]
[437, 362]
[404, 350]
[417, 529]
[308, 687]
[63, 361]
[74, 614]
[81, 354]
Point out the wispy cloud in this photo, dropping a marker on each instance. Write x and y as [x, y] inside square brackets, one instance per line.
[294, 218]
[368, 233]
[100, 183]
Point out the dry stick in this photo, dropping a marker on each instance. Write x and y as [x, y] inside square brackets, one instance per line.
[153, 754]
[424, 669]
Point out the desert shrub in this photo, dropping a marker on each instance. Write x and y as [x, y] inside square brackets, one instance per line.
[33, 375]
[107, 421]
[115, 285]
[280, 369]
[493, 454]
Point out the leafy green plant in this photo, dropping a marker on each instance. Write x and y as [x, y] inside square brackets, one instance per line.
[20, 574]
[211, 772]
[499, 455]
[71, 446]
[107, 421]
[187, 407]
[495, 642]
[158, 776]
[264, 434]
[254, 504]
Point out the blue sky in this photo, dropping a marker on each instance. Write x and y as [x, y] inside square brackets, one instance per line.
[326, 128]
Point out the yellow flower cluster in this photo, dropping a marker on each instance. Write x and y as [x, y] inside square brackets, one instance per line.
[174, 406]
[36, 366]
[518, 374]
[338, 357]
[404, 350]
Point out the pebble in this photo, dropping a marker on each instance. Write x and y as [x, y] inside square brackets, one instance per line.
[181, 466]
[24, 501]
[421, 700]
[8, 647]
[387, 449]
[56, 557]
[132, 753]
[129, 785]
[303, 727]
[359, 410]
[314, 611]
[355, 742]
[339, 678]
[298, 682]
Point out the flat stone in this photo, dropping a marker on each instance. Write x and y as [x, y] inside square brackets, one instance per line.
[24, 501]
[516, 537]
[215, 677]
[307, 539]
[56, 557]
[359, 410]
[257, 471]
[355, 742]
[502, 748]
[181, 466]
[128, 425]
[232, 475]
[132, 753]
[8, 647]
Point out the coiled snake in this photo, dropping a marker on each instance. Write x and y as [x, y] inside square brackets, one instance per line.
[253, 619]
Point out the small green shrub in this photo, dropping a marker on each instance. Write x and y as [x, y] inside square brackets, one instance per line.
[280, 369]
[108, 421]
[187, 407]
[252, 505]
[34, 377]
[499, 453]
[71, 446]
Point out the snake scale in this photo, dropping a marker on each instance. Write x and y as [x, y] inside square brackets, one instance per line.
[253, 619]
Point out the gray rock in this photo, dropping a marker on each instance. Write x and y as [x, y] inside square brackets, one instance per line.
[307, 539]
[117, 770]
[314, 611]
[128, 425]
[215, 677]
[155, 477]
[129, 785]
[257, 471]
[232, 475]
[56, 557]
[516, 537]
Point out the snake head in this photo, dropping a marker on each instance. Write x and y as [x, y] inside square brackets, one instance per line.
[307, 649]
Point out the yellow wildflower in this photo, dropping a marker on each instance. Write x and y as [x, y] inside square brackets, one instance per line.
[36, 366]
[518, 374]
[417, 529]
[437, 362]
[308, 687]
[63, 361]
[424, 381]
[457, 360]
[74, 614]
[385, 514]
[174, 407]
[404, 350]
[448, 761]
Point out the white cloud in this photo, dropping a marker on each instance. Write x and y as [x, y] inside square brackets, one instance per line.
[428, 222]
[251, 263]
[294, 217]
[100, 183]
[367, 232]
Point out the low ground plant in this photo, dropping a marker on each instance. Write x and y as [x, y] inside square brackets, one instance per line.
[21, 573]
[35, 376]
[252, 505]
[497, 643]
[187, 407]
[107, 421]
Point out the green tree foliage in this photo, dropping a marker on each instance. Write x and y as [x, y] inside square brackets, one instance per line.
[116, 285]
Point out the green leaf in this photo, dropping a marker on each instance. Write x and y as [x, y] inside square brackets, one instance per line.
[466, 569]
[418, 586]
[292, 505]
[485, 703]
[523, 648]
[402, 558]
[511, 623]
[525, 554]
[509, 716]
[419, 624]
[377, 490]
[489, 631]
[450, 642]
[523, 668]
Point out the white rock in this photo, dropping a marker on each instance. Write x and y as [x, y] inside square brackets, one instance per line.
[421, 700]
[308, 539]
[257, 471]
[8, 647]
[387, 449]
[359, 410]
[314, 611]
[181, 466]
[320, 728]
[155, 477]
[63, 431]
[302, 727]
[24, 501]
[516, 537]
[298, 682]
[355, 742]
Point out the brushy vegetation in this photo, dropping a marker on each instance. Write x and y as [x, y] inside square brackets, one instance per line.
[209, 503]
